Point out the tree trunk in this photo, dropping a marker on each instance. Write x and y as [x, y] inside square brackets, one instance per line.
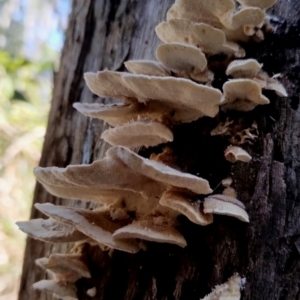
[103, 34]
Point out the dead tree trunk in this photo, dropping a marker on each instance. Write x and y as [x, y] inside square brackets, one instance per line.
[102, 34]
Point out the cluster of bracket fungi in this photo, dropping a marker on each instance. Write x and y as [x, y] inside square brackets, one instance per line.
[140, 199]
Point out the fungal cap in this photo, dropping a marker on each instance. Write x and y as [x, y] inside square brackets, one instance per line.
[120, 114]
[227, 181]
[277, 87]
[179, 93]
[242, 94]
[105, 181]
[234, 154]
[181, 57]
[150, 230]
[138, 134]
[51, 231]
[209, 12]
[209, 39]
[248, 17]
[244, 68]
[224, 205]
[179, 201]
[272, 84]
[66, 267]
[146, 67]
[95, 225]
[229, 290]
[216, 13]
[113, 114]
[63, 291]
[108, 84]
[92, 292]
[262, 4]
[160, 172]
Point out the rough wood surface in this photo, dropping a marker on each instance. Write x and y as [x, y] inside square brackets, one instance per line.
[102, 34]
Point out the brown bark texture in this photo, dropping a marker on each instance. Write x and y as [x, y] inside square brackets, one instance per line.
[103, 34]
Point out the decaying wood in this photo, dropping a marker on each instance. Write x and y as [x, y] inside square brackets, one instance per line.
[102, 34]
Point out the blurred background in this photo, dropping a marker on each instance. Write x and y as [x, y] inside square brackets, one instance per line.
[31, 37]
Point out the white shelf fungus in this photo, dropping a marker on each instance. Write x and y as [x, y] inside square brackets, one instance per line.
[185, 61]
[180, 201]
[137, 134]
[61, 290]
[64, 267]
[236, 24]
[263, 4]
[230, 290]
[234, 154]
[96, 225]
[242, 95]
[140, 198]
[159, 172]
[250, 68]
[224, 205]
[162, 99]
[209, 39]
[150, 230]
[123, 182]
[51, 231]
[146, 67]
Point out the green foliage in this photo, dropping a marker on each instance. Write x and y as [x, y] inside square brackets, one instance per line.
[24, 94]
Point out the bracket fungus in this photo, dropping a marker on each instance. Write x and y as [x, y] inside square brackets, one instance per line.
[151, 229]
[137, 134]
[209, 39]
[51, 231]
[236, 24]
[234, 154]
[64, 267]
[96, 225]
[224, 205]
[146, 67]
[230, 290]
[185, 61]
[160, 172]
[262, 4]
[139, 198]
[136, 184]
[163, 99]
[179, 200]
[60, 290]
[242, 95]
[251, 68]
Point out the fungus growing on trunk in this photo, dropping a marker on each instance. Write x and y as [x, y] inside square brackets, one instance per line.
[209, 39]
[62, 291]
[51, 231]
[234, 154]
[262, 4]
[65, 267]
[224, 205]
[138, 134]
[185, 61]
[179, 200]
[94, 224]
[156, 229]
[236, 24]
[230, 290]
[146, 67]
[242, 95]
[250, 68]
[140, 198]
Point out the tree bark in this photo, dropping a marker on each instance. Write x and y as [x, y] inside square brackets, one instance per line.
[103, 34]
